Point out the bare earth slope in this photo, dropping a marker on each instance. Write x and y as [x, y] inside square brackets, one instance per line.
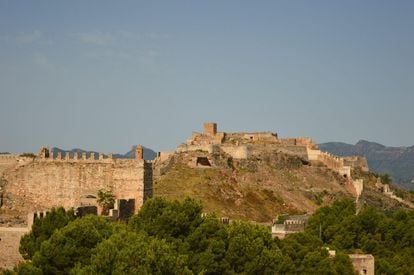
[257, 188]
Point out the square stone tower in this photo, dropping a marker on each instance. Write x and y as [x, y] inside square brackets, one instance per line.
[210, 128]
[139, 152]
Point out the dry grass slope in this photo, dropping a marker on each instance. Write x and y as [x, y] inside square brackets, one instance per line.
[255, 189]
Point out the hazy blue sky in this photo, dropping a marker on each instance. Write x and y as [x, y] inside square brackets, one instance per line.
[104, 75]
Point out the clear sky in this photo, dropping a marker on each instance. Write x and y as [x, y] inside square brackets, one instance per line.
[104, 75]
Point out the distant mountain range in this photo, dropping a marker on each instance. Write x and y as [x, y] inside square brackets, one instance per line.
[148, 153]
[398, 162]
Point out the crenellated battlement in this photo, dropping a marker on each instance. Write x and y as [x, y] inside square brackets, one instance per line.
[86, 157]
[78, 157]
[299, 141]
[9, 157]
[7, 161]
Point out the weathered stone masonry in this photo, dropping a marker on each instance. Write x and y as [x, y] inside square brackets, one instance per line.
[45, 182]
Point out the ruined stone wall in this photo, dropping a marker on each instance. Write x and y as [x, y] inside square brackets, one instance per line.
[43, 183]
[245, 137]
[210, 148]
[7, 161]
[260, 136]
[294, 150]
[203, 139]
[161, 167]
[300, 141]
[163, 156]
[313, 154]
[344, 171]
[9, 246]
[335, 163]
[237, 152]
[342, 165]
[363, 263]
[294, 225]
[356, 161]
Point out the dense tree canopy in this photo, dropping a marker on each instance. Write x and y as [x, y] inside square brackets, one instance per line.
[72, 244]
[42, 229]
[175, 238]
[389, 236]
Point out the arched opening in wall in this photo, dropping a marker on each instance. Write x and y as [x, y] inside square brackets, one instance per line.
[345, 176]
[203, 162]
[88, 200]
[88, 205]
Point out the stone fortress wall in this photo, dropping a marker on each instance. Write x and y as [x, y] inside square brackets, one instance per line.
[46, 181]
[8, 160]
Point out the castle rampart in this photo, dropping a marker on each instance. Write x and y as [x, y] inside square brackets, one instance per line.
[245, 137]
[293, 224]
[356, 161]
[7, 161]
[45, 182]
[7, 157]
[163, 156]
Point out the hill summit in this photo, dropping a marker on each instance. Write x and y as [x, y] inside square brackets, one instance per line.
[255, 176]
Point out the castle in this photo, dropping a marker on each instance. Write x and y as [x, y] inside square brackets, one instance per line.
[44, 181]
[243, 145]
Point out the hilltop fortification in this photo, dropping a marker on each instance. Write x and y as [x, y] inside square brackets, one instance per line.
[257, 175]
[243, 145]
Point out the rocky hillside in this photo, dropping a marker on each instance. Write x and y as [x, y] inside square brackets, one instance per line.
[257, 188]
[398, 162]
